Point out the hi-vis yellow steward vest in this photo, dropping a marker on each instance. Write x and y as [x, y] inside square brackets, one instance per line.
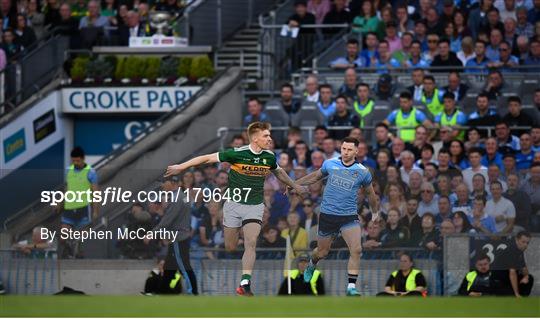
[77, 181]
[312, 282]
[407, 135]
[410, 284]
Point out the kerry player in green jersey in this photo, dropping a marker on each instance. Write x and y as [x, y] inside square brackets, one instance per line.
[250, 165]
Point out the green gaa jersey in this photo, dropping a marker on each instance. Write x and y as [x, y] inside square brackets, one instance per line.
[248, 173]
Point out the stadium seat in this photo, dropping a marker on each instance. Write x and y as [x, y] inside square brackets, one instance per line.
[308, 115]
[278, 117]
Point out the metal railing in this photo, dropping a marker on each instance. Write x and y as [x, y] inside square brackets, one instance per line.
[289, 54]
[210, 22]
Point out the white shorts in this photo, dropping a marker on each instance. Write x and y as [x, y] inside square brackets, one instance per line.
[236, 215]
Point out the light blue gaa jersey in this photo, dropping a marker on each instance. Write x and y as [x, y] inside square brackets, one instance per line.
[341, 191]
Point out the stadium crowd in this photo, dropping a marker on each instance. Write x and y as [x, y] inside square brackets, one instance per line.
[23, 22]
[418, 34]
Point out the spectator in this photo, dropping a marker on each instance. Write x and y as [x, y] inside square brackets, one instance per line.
[479, 187]
[133, 28]
[79, 9]
[37, 247]
[412, 221]
[417, 87]
[342, 117]
[329, 148]
[425, 154]
[495, 39]
[429, 202]
[301, 156]
[382, 139]
[522, 48]
[510, 35]
[383, 162]
[402, 17]
[461, 223]
[298, 286]
[462, 201]
[289, 104]
[431, 238]
[394, 197]
[384, 89]
[444, 210]
[407, 116]
[310, 222]
[67, 25]
[492, 22]
[445, 167]
[404, 53]
[533, 59]
[457, 152]
[370, 53]
[473, 139]
[338, 14]
[271, 238]
[509, 164]
[479, 219]
[478, 17]
[303, 46]
[433, 23]
[531, 186]
[394, 235]
[297, 234]
[523, 27]
[373, 238]
[368, 21]
[534, 10]
[399, 284]
[320, 133]
[255, 112]
[475, 160]
[484, 114]
[362, 156]
[394, 41]
[36, 19]
[10, 45]
[407, 166]
[319, 8]
[535, 133]
[172, 6]
[480, 61]
[505, 140]
[524, 158]
[447, 228]
[385, 61]
[467, 51]
[414, 59]
[508, 10]
[481, 281]
[460, 23]
[348, 88]
[506, 61]
[501, 209]
[451, 116]
[446, 60]
[492, 155]
[521, 202]
[311, 93]
[455, 86]
[397, 147]
[432, 97]
[432, 48]
[211, 227]
[420, 34]
[353, 58]
[326, 106]
[512, 268]
[94, 18]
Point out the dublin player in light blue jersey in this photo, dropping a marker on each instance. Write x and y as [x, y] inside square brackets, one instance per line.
[339, 209]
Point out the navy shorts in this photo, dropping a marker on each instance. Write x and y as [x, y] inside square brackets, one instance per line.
[331, 225]
[77, 218]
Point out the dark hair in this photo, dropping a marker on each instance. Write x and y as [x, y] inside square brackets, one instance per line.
[523, 233]
[341, 96]
[466, 224]
[480, 198]
[325, 86]
[371, 33]
[237, 137]
[362, 84]
[514, 98]
[427, 147]
[381, 124]
[481, 256]
[408, 256]
[420, 44]
[475, 150]
[349, 139]
[254, 99]
[449, 95]
[501, 122]
[352, 41]
[496, 183]
[444, 40]
[444, 150]
[406, 95]
[429, 77]
[320, 127]
[482, 94]
[287, 85]
[77, 152]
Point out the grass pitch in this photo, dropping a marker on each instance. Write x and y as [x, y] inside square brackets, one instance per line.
[207, 306]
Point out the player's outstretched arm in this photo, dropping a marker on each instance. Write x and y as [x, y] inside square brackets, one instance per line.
[199, 160]
[310, 178]
[373, 201]
[283, 177]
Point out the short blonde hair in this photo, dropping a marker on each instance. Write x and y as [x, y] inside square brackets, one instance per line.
[257, 127]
